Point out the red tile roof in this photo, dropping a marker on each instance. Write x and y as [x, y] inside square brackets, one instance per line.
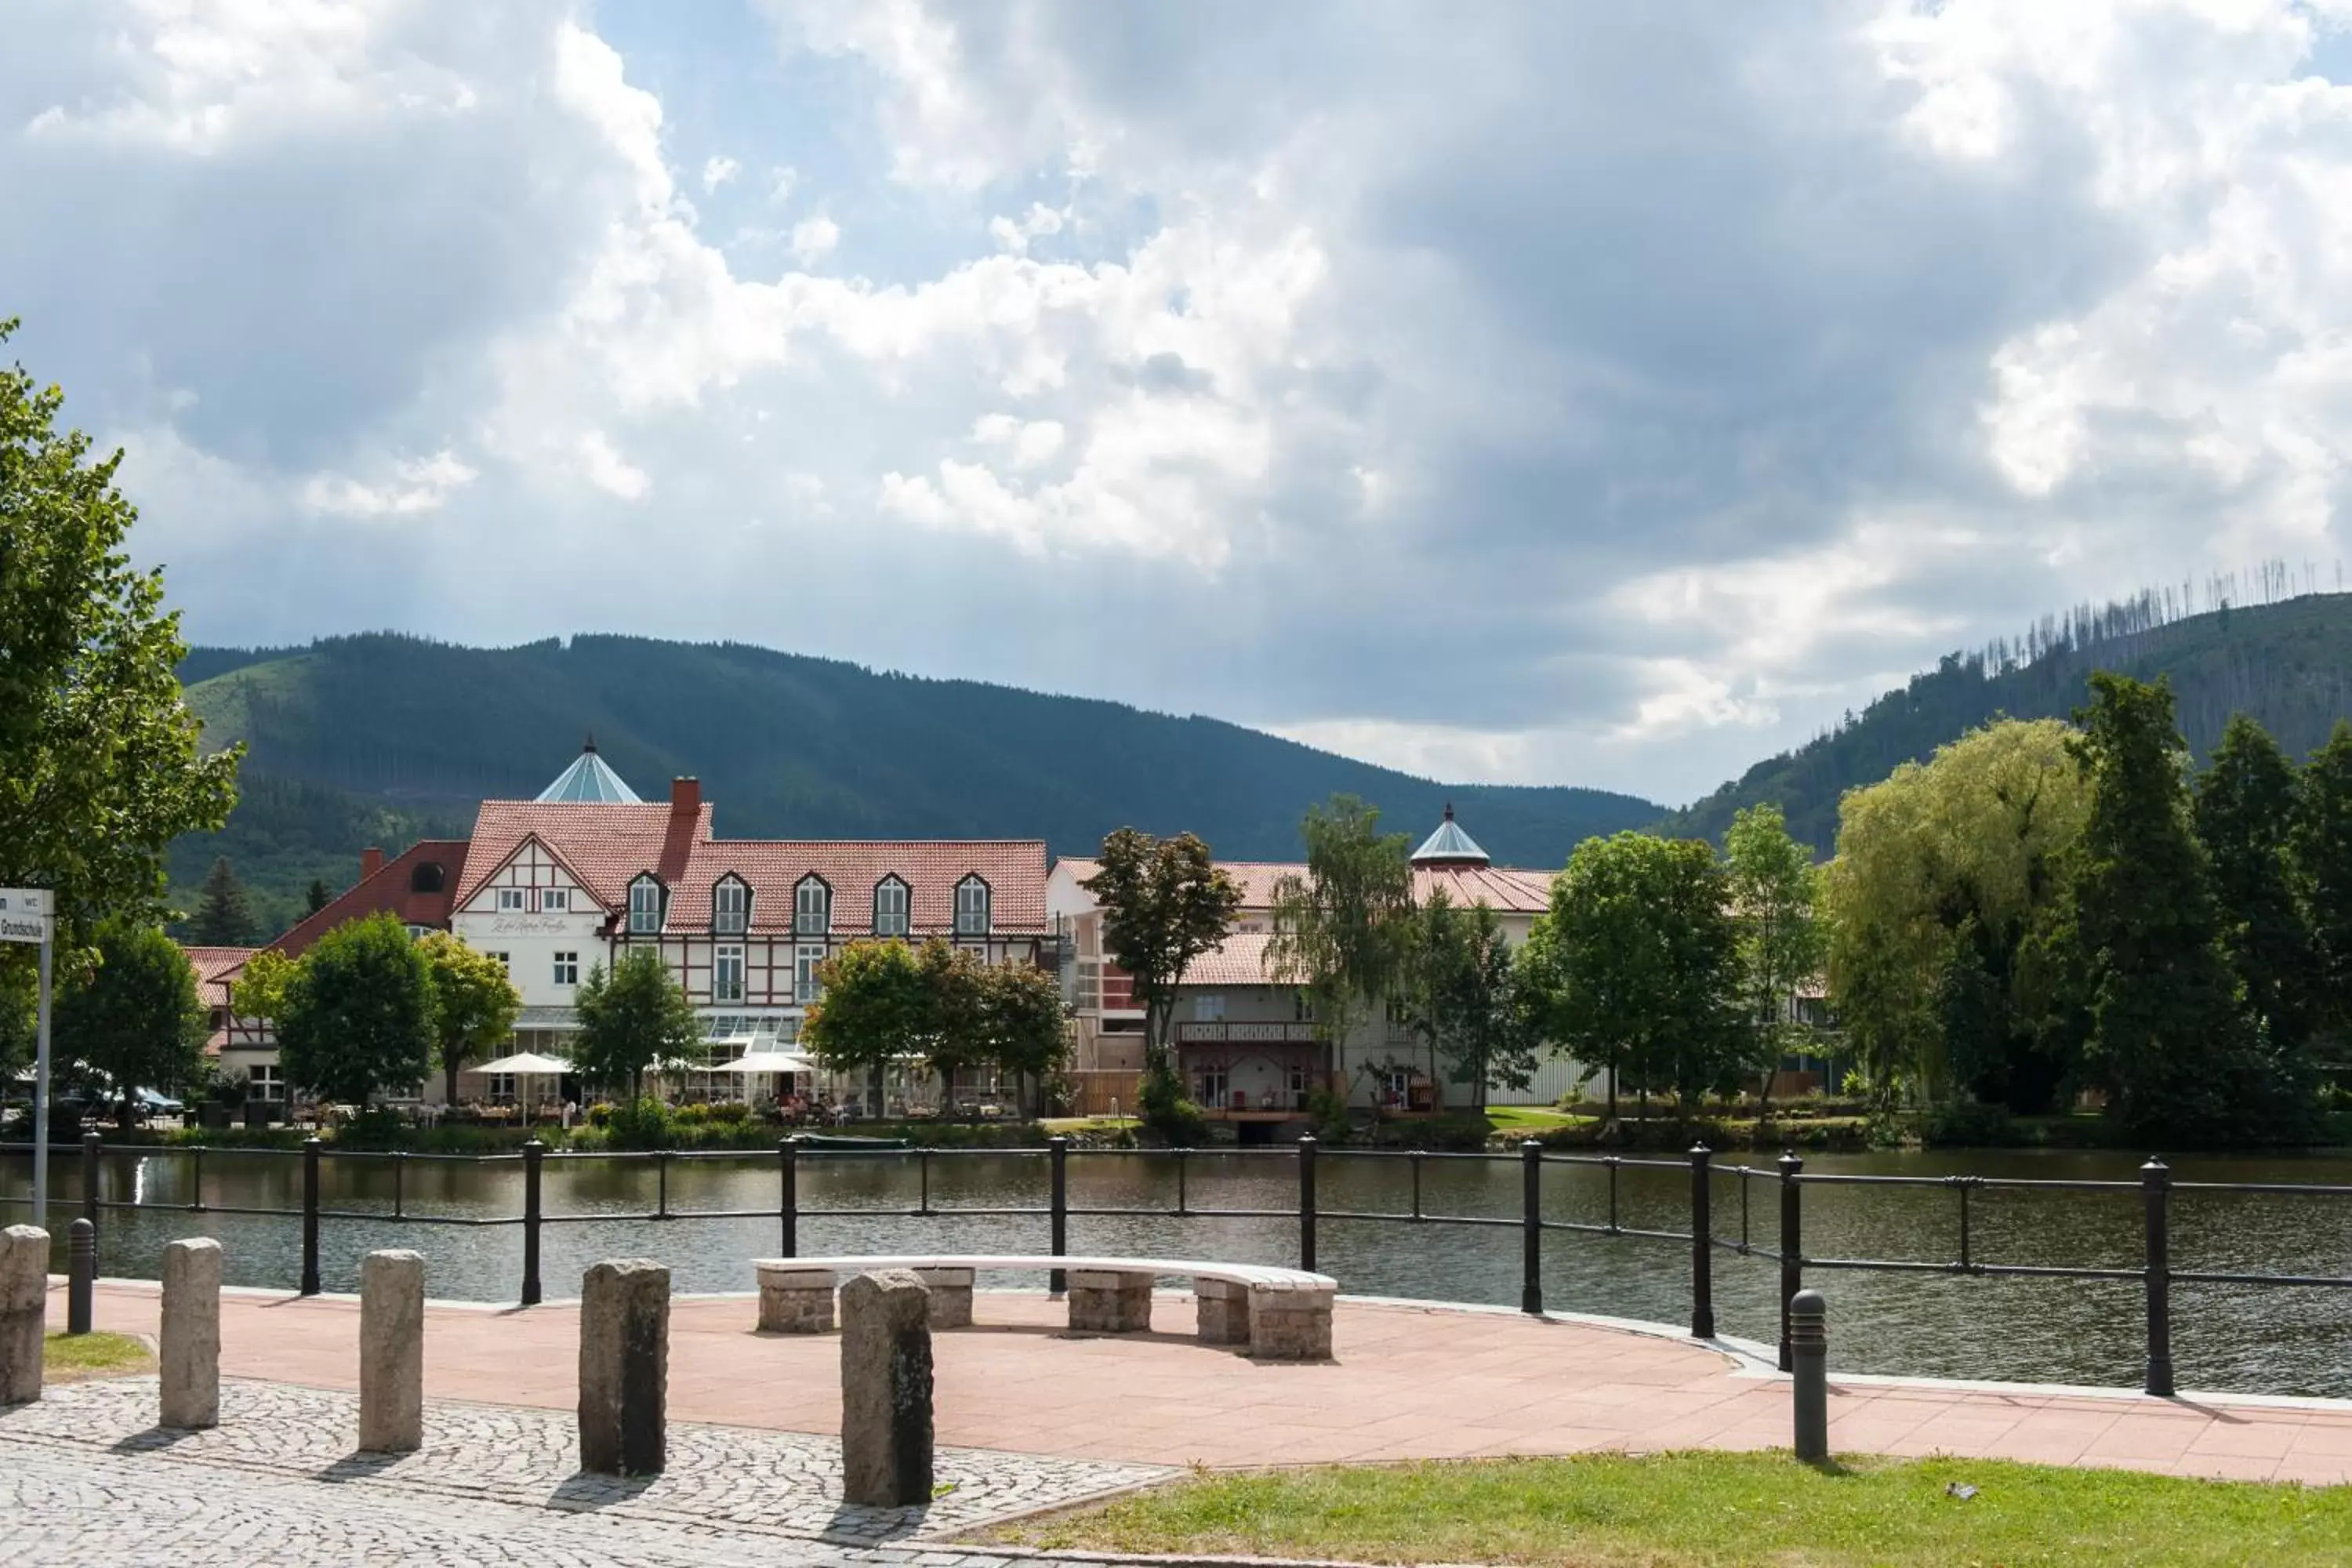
[603, 845]
[1014, 869]
[389, 889]
[216, 968]
[1239, 960]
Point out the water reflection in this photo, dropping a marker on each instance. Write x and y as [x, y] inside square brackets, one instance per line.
[2286, 1341]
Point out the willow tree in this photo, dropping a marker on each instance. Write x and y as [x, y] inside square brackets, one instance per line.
[1945, 874]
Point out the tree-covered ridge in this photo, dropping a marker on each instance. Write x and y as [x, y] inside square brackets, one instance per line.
[2284, 664]
[385, 738]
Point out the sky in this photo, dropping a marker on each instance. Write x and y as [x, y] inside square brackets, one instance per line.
[1574, 393]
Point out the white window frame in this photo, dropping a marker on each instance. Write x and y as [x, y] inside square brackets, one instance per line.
[974, 916]
[1219, 1096]
[1210, 1009]
[727, 958]
[502, 1088]
[555, 901]
[805, 958]
[567, 968]
[731, 906]
[512, 901]
[266, 1082]
[898, 921]
[644, 907]
[506, 961]
[811, 906]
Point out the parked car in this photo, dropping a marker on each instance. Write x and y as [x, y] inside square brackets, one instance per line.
[155, 1102]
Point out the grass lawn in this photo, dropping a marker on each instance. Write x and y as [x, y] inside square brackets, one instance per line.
[1529, 1119]
[71, 1358]
[1669, 1510]
[1066, 1124]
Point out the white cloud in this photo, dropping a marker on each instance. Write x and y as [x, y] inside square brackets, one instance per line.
[1628, 412]
[416, 485]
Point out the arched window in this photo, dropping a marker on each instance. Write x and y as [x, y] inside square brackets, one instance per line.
[427, 877]
[811, 906]
[731, 906]
[971, 907]
[890, 907]
[645, 906]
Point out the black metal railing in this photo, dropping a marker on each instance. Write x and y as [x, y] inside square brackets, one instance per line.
[1788, 1177]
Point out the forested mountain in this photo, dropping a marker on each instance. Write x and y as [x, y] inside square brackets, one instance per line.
[2284, 663]
[384, 739]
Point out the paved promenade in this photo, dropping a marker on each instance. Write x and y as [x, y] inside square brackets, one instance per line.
[1409, 1382]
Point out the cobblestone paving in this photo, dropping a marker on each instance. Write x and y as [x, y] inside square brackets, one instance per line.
[257, 1480]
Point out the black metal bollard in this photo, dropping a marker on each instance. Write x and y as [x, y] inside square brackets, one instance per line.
[90, 1176]
[1531, 1227]
[1306, 1202]
[661, 1184]
[788, 1202]
[310, 1147]
[81, 1276]
[197, 1180]
[1810, 1395]
[533, 1152]
[1058, 1158]
[2156, 1194]
[1792, 1247]
[1702, 1244]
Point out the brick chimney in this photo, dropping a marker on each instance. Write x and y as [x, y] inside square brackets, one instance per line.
[370, 862]
[686, 798]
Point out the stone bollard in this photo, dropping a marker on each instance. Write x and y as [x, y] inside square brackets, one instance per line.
[625, 1368]
[191, 1351]
[24, 1301]
[886, 1389]
[1809, 1349]
[392, 1353]
[81, 1276]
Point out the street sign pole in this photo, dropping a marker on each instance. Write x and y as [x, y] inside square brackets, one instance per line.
[26, 917]
[41, 1096]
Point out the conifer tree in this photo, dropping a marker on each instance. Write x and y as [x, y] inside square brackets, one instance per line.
[319, 897]
[2322, 868]
[2183, 1061]
[2246, 814]
[223, 916]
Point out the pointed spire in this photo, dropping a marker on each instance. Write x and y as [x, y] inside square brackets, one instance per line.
[1449, 845]
[589, 749]
[590, 780]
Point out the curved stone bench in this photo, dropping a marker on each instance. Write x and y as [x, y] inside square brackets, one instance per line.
[1278, 1314]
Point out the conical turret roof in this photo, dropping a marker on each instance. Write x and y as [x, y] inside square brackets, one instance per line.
[590, 781]
[1449, 845]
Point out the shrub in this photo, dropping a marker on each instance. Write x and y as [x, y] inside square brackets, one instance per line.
[1329, 1114]
[1162, 1108]
[599, 1114]
[1965, 1123]
[648, 1124]
[730, 1112]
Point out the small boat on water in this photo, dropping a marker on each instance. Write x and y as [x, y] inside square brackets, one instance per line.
[849, 1141]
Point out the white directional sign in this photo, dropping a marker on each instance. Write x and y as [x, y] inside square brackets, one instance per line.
[24, 914]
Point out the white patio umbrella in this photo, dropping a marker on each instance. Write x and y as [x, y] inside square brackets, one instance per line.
[526, 1064]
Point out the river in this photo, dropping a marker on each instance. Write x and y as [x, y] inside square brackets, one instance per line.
[2225, 1337]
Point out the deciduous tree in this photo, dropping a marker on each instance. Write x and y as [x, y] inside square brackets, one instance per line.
[1340, 930]
[877, 1003]
[1773, 889]
[475, 1005]
[100, 763]
[1462, 993]
[632, 1016]
[356, 1016]
[134, 1017]
[1164, 903]
[1024, 1024]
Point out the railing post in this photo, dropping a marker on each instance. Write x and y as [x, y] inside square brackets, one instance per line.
[1702, 1215]
[1531, 1227]
[1809, 1394]
[533, 1152]
[310, 1147]
[90, 1177]
[81, 1276]
[661, 1184]
[1058, 1158]
[1306, 1202]
[1792, 1247]
[400, 1183]
[196, 1180]
[788, 1202]
[2156, 1193]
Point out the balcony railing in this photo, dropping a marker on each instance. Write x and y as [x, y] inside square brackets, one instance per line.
[1249, 1033]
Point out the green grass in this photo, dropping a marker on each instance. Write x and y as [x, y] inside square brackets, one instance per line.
[1685, 1509]
[71, 1358]
[1530, 1118]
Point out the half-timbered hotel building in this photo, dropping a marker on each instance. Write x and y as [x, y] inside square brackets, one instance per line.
[1247, 1045]
[555, 885]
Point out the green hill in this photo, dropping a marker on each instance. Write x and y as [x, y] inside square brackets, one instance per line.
[383, 738]
[2284, 663]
